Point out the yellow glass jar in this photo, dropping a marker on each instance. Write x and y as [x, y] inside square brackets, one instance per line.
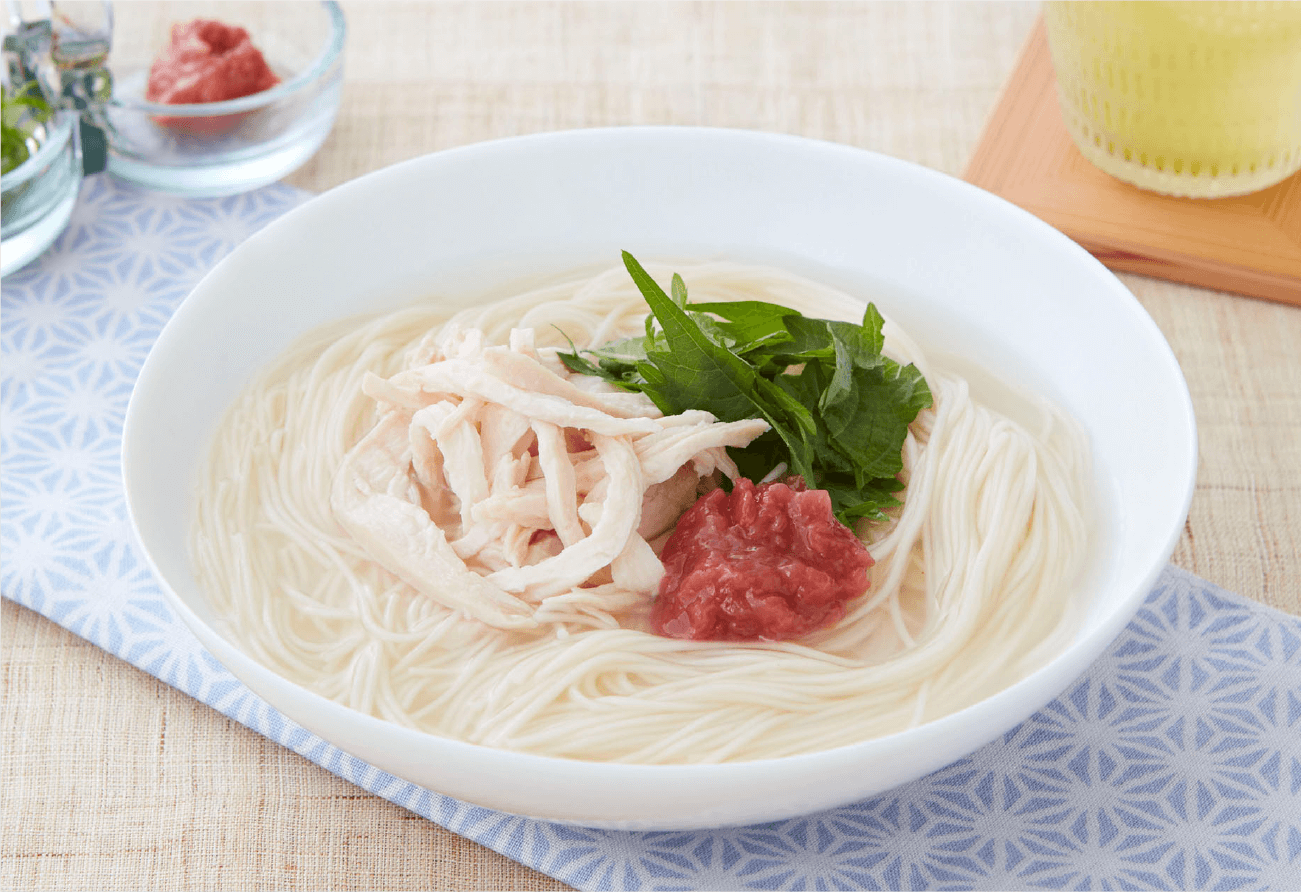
[1198, 99]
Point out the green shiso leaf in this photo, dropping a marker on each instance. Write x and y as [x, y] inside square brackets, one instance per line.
[838, 408]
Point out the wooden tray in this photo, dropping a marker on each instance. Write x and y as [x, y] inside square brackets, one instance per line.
[1250, 244]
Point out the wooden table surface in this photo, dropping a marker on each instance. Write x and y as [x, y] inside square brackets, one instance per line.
[112, 780]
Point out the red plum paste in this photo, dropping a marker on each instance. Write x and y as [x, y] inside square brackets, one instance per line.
[767, 562]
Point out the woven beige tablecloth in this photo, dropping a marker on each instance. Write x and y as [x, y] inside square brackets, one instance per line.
[112, 780]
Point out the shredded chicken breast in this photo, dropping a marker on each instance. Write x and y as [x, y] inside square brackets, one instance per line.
[503, 486]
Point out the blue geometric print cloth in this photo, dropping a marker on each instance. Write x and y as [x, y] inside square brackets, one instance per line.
[1175, 763]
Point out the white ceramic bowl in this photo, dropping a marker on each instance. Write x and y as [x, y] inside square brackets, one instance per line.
[966, 271]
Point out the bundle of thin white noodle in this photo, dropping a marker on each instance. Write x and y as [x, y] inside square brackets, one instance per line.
[969, 593]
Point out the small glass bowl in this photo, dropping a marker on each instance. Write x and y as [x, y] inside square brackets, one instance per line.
[223, 148]
[39, 195]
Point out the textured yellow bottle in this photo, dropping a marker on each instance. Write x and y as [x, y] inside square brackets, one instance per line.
[1187, 98]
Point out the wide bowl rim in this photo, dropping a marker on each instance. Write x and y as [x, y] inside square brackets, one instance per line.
[1085, 648]
[320, 65]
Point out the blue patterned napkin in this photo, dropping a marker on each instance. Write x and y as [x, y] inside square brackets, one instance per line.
[1174, 763]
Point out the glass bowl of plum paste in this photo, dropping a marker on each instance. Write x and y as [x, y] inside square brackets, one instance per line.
[221, 98]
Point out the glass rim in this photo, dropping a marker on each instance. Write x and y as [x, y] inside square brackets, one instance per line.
[60, 133]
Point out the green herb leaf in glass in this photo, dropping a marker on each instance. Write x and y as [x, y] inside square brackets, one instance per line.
[21, 112]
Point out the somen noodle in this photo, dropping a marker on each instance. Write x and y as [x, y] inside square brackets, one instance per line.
[970, 591]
